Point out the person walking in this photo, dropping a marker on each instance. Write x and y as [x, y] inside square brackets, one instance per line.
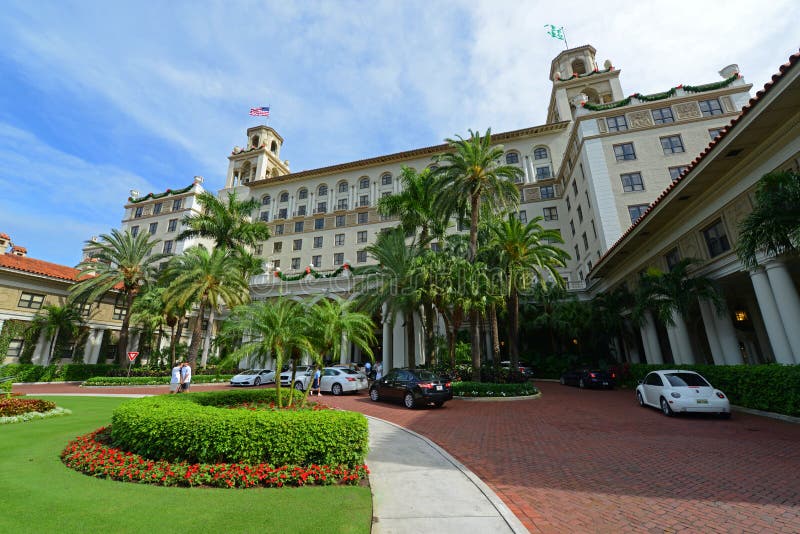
[368, 369]
[186, 376]
[175, 379]
[315, 384]
[378, 370]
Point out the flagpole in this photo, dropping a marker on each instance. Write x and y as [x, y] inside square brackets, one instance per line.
[565, 37]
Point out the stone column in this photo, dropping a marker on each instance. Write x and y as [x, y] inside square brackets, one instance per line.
[387, 340]
[88, 348]
[344, 354]
[674, 345]
[399, 342]
[726, 334]
[133, 341]
[40, 354]
[788, 303]
[652, 347]
[419, 340]
[709, 321]
[772, 319]
[681, 334]
[525, 163]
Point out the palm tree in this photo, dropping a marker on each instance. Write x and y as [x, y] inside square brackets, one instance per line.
[471, 175]
[55, 321]
[123, 263]
[277, 327]
[394, 283]
[227, 223]
[148, 311]
[525, 255]
[773, 227]
[206, 279]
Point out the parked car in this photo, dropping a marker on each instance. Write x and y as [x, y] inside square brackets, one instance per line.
[412, 387]
[589, 378]
[254, 377]
[286, 376]
[526, 371]
[338, 380]
[676, 391]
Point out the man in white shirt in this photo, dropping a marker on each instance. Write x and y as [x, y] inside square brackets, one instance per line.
[186, 376]
[175, 379]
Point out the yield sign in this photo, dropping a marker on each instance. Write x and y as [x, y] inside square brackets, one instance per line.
[132, 355]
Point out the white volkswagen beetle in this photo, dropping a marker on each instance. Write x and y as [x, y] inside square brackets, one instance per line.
[676, 391]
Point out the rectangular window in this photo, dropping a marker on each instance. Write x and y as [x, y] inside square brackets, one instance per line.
[168, 247]
[319, 223]
[637, 211]
[713, 133]
[716, 239]
[363, 201]
[386, 194]
[318, 241]
[278, 229]
[675, 172]
[340, 221]
[322, 191]
[119, 313]
[543, 173]
[672, 257]
[594, 229]
[259, 249]
[264, 216]
[153, 228]
[298, 226]
[276, 264]
[297, 244]
[579, 211]
[632, 181]
[322, 207]
[624, 152]
[295, 263]
[303, 194]
[176, 204]
[572, 226]
[361, 256]
[338, 240]
[277, 247]
[157, 208]
[710, 107]
[86, 307]
[617, 124]
[361, 237]
[341, 204]
[282, 212]
[588, 202]
[523, 216]
[14, 348]
[301, 211]
[338, 258]
[386, 179]
[672, 144]
[134, 231]
[585, 242]
[550, 214]
[575, 188]
[316, 261]
[172, 225]
[663, 116]
[137, 212]
[569, 204]
[363, 217]
[31, 301]
[577, 253]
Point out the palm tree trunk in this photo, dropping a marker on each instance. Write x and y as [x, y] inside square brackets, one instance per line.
[513, 327]
[176, 336]
[495, 334]
[410, 344]
[207, 344]
[197, 336]
[52, 347]
[475, 349]
[158, 343]
[122, 348]
[428, 310]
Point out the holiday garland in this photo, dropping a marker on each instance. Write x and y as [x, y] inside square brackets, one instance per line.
[316, 274]
[149, 196]
[711, 86]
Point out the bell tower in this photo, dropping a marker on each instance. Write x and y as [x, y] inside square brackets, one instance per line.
[574, 73]
[259, 160]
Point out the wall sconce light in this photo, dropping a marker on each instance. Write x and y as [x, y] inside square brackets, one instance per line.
[740, 316]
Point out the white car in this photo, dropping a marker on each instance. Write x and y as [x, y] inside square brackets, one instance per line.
[676, 391]
[336, 380]
[254, 377]
[301, 373]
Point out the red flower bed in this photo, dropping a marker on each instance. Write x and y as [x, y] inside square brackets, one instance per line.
[91, 454]
[17, 406]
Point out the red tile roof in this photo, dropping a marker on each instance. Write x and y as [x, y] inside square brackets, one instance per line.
[783, 69]
[4, 236]
[40, 267]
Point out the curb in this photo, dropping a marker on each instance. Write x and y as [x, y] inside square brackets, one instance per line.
[499, 399]
[508, 516]
[771, 415]
[45, 383]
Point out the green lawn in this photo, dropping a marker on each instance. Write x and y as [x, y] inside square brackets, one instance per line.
[39, 494]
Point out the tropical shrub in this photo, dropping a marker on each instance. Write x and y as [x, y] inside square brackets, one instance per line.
[198, 427]
[485, 389]
[18, 406]
[151, 380]
[772, 388]
[26, 372]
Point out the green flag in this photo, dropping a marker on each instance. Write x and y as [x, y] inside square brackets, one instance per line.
[557, 33]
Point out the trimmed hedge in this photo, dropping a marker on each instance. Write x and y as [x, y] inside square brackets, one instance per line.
[28, 372]
[486, 389]
[772, 388]
[151, 381]
[197, 427]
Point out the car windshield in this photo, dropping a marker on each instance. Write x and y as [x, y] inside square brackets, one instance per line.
[348, 371]
[426, 375]
[682, 380]
[249, 372]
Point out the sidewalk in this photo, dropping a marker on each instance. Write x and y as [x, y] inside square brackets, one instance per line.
[418, 487]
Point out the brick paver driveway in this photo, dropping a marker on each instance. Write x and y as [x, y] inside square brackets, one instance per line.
[593, 461]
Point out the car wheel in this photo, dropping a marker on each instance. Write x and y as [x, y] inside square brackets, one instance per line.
[373, 394]
[563, 382]
[665, 409]
[408, 400]
[336, 389]
[581, 384]
[257, 381]
[640, 399]
[438, 404]
[298, 386]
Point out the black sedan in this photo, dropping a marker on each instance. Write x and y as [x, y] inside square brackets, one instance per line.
[589, 378]
[412, 387]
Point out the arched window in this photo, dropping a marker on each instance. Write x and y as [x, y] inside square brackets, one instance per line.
[284, 197]
[363, 183]
[578, 66]
[245, 172]
[265, 200]
[322, 191]
[540, 153]
[512, 158]
[386, 179]
[302, 194]
[343, 187]
[274, 147]
[255, 141]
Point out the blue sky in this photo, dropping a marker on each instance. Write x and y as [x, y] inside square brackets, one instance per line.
[98, 98]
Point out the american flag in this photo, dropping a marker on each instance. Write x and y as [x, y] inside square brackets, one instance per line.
[260, 112]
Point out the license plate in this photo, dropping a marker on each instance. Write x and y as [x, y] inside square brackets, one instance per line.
[702, 401]
[605, 383]
[438, 388]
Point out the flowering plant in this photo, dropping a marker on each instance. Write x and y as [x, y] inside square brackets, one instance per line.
[93, 455]
[17, 406]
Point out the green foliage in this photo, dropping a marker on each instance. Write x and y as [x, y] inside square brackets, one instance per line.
[198, 427]
[5, 388]
[20, 405]
[151, 380]
[484, 389]
[772, 388]
[27, 372]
